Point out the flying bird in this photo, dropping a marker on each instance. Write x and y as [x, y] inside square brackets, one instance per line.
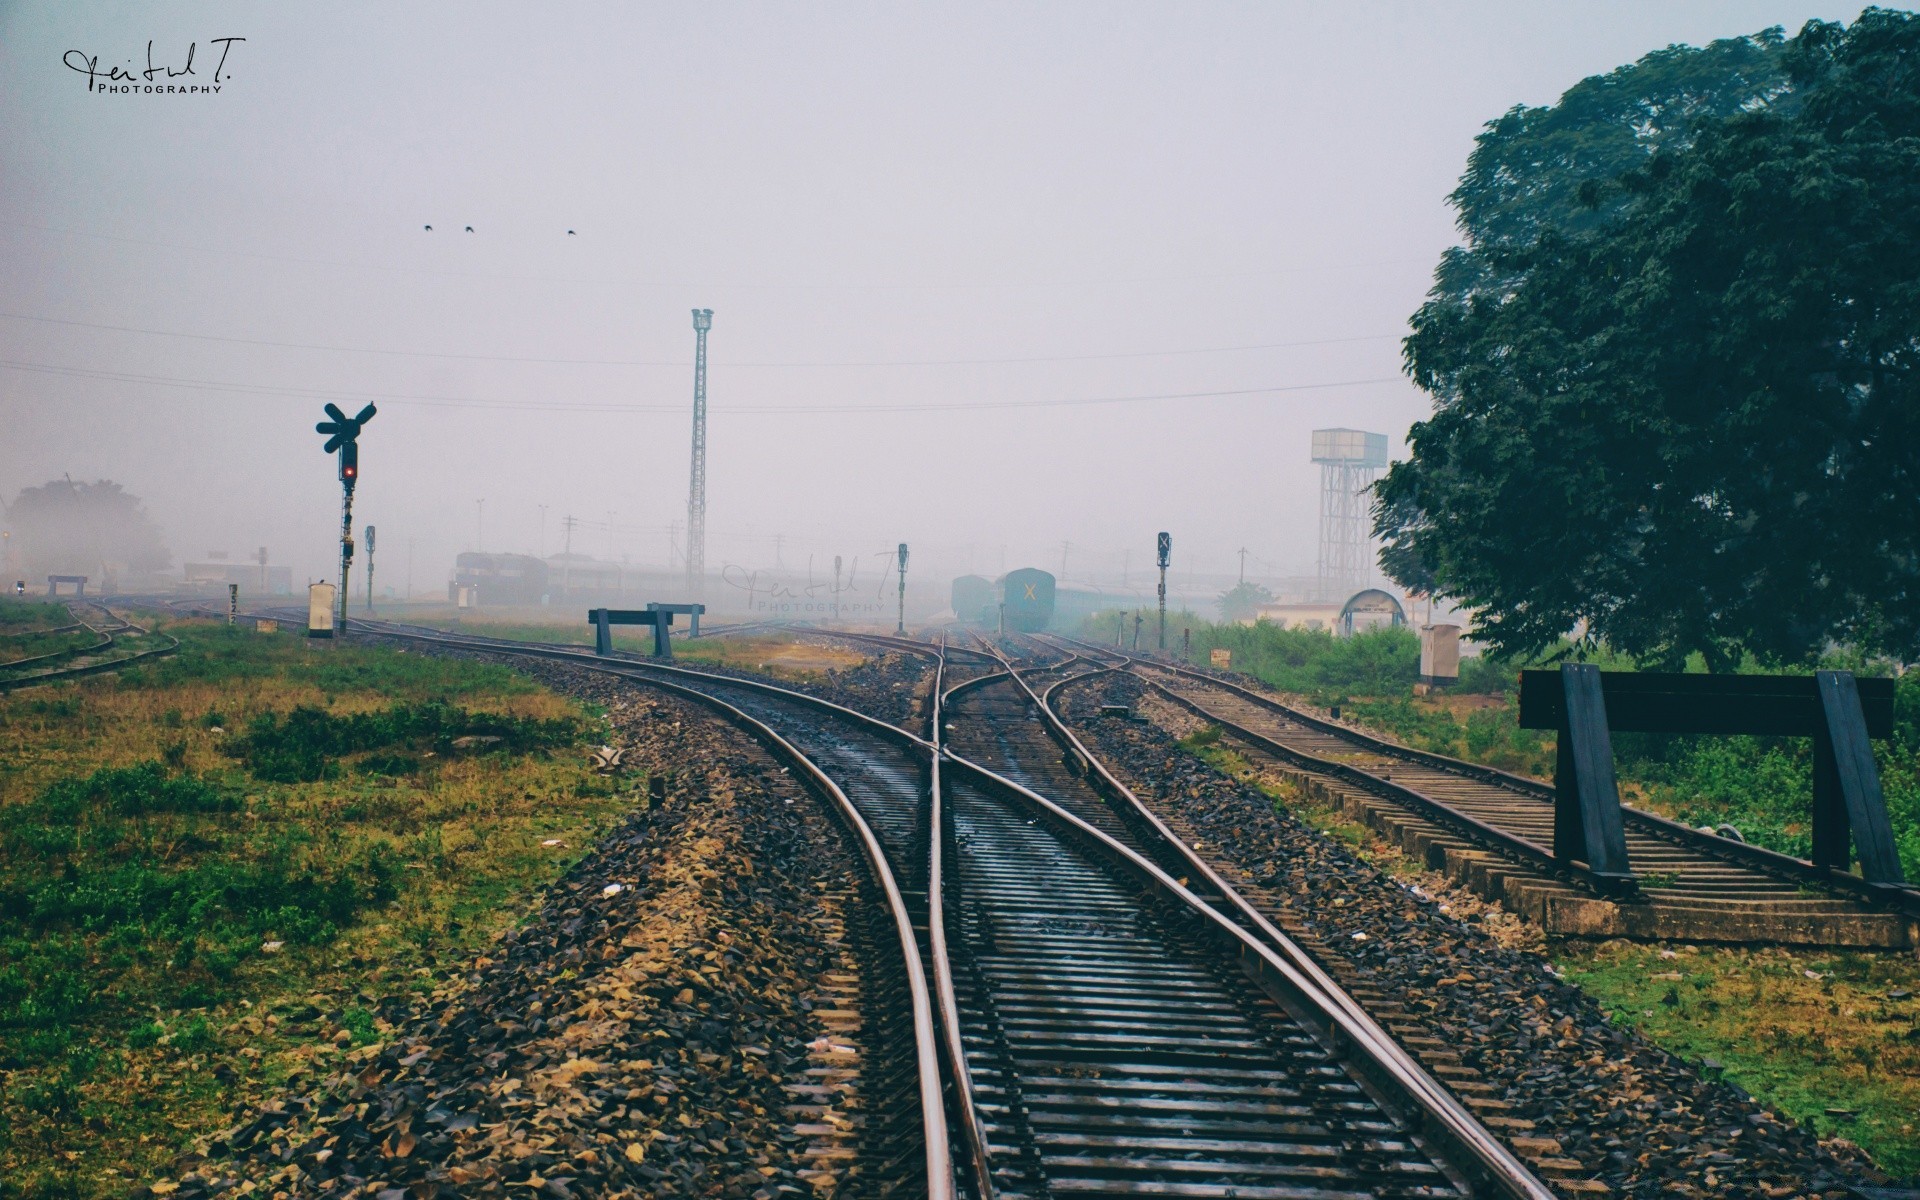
[569, 233]
[429, 229]
[469, 229]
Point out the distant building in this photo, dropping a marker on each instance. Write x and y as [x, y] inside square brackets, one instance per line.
[1364, 610]
[278, 580]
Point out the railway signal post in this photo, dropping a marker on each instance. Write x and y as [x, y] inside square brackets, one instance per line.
[369, 570]
[900, 627]
[343, 434]
[1163, 554]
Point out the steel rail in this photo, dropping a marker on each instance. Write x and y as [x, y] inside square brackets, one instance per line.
[1390, 1063]
[905, 645]
[107, 639]
[1785, 867]
[963, 1085]
[48, 629]
[928, 1049]
[1535, 856]
[105, 636]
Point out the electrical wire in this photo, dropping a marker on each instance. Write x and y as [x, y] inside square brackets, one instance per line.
[475, 402]
[636, 362]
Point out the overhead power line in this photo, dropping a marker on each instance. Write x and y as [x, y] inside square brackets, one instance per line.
[709, 285]
[476, 402]
[640, 362]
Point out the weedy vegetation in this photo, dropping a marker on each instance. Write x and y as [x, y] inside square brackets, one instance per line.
[215, 867]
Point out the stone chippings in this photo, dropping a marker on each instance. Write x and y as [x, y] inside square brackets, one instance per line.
[623, 1043]
[1643, 1121]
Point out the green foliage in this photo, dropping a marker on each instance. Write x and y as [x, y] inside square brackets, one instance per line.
[301, 747]
[1762, 786]
[141, 864]
[1687, 419]
[1200, 739]
[1534, 171]
[1309, 661]
[20, 616]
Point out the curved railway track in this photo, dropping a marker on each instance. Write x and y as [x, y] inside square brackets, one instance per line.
[1494, 830]
[1107, 1026]
[86, 659]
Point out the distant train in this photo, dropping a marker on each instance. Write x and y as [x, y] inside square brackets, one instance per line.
[1027, 599]
[498, 578]
[1034, 600]
[975, 601]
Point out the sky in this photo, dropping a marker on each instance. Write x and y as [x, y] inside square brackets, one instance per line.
[1014, 284]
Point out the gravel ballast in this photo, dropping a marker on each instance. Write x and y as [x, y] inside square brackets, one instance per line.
[1642, 1121]
[647, 1031]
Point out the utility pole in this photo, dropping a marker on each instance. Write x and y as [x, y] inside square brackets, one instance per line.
[344, 435]
[263, 570]
[1163, 554]
[1243, 566]
[369, 570]
[1138, 620]
[543, 531]
[566, 572]
[697, 470]
[901, 628]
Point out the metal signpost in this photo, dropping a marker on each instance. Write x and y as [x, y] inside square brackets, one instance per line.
[901, 627]
[343, 435]
[233, 603]
[369, 570]
[1164, 555]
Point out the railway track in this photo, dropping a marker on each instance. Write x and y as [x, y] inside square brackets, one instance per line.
[108, 627]
[901, 1145]
[1103, 1028]
[1494, 831]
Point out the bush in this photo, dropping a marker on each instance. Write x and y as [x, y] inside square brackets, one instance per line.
[302, 746]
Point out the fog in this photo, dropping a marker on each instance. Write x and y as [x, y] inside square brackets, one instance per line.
[1016, 285]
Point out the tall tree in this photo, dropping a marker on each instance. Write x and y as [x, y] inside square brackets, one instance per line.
[1686, 421]
[97, 529]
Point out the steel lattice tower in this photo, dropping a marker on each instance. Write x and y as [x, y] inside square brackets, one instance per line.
[697, 471]
[1349, 463]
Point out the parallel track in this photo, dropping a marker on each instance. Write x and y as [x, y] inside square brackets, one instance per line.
[1704, 881]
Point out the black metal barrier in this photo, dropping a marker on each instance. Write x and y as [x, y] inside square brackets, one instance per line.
[660, 616]
[1841, 713]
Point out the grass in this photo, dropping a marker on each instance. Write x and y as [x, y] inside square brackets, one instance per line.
[21, 616]
[216, 864]
[15, 647]
[1801, 1045]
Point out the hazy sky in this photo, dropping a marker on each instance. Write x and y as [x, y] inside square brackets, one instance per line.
[928, 233]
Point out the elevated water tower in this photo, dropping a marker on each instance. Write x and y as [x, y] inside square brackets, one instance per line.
[1350, 461]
